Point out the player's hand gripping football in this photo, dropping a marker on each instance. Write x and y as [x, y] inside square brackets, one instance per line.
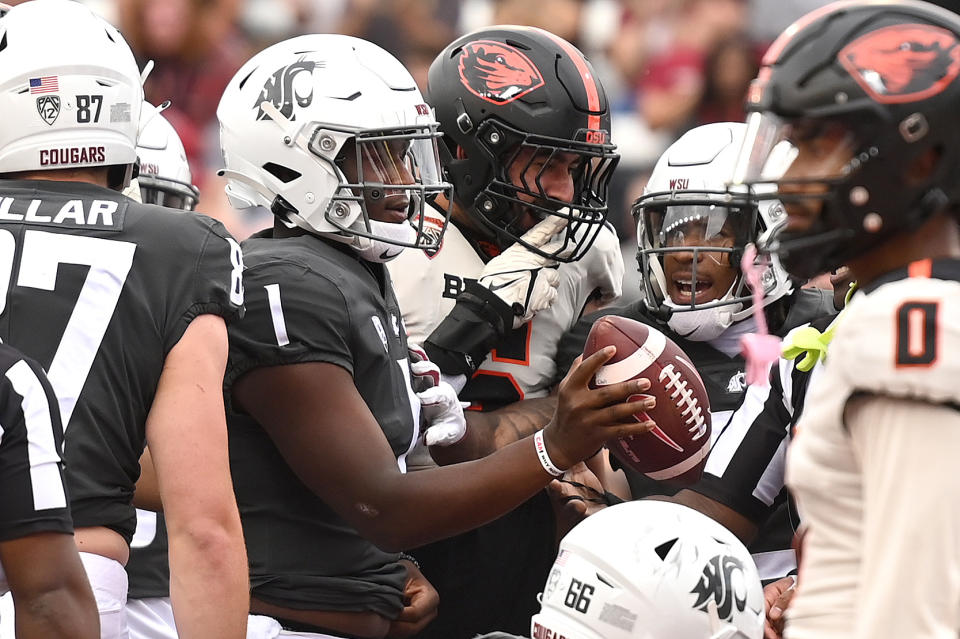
[585, 418]
[527, 282]
[442, 412]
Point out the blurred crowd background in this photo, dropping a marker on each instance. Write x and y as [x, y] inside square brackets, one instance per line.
[667, 65]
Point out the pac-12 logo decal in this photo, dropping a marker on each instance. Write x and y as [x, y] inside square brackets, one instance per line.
[497, 72]
[723, 581]
[281, 91]
[48, 106]
[903, 62]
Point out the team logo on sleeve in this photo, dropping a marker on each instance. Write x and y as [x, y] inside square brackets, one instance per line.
[48, 106]
[287, 86]
[497, 72]
[903, 63]
[723, 581]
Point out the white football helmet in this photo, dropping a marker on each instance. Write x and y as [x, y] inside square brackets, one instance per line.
[651, 570]
[303, 115]
[70, 91]
[164, 170]
[688, 193]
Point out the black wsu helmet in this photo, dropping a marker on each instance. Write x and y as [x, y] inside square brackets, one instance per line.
[882, 77]
[504, 89]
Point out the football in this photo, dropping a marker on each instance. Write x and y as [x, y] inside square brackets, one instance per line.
[676, 450]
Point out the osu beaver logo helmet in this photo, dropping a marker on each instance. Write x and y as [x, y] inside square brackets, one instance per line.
[879, 82]
[511, 97]
[496, 71]
[903, 63]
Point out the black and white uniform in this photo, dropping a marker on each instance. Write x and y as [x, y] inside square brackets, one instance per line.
[98, 289]
[723, 377]
[31, 441]
[313, 301]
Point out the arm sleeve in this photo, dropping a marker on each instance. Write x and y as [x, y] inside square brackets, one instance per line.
[909, 583]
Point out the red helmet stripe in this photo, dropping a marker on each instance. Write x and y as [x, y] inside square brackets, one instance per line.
[589, 82]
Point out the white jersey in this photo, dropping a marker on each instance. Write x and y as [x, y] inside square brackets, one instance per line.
[523, 366]
[873, 467]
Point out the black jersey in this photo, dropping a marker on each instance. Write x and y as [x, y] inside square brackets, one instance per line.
[31, 440]
[148, 570]
[313, 301]
[723, 377]
[98, 289]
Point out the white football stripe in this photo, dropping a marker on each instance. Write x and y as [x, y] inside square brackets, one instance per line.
[682, 467]
[637, 362]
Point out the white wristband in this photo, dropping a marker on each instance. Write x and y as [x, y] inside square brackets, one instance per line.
[545, 460]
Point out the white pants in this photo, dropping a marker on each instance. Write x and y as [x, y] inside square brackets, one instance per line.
[151, 618]
[260, 627]
[109, 582]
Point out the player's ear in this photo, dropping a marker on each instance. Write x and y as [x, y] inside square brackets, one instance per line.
[460, 153]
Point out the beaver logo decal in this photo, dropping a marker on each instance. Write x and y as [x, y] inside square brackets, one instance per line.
[497, 72]
[904, 62]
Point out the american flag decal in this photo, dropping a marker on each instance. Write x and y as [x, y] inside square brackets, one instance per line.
[45, 84]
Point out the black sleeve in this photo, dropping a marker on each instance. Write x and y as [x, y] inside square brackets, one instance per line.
[293, 315]
[216, 283]
[478, 320]
[31, 443]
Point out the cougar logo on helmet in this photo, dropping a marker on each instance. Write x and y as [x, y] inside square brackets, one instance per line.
[280, 92]
[497, 72]
[717, 584]
[903, 63]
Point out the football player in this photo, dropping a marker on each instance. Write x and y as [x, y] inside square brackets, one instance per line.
[691, 233]
[164, 178]
[125, 306]
[526, 144]
[861, 98]
[649, 570]
[331, 134]
[39, 563]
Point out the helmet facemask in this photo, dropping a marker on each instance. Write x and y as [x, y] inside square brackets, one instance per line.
[690, 245]
[386, 172]
[536, 176]
[168, 192]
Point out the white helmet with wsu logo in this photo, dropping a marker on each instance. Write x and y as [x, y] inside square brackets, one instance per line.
[164, 177]
[687, 217]
[317, 127]
[70, 91]
[651, 570]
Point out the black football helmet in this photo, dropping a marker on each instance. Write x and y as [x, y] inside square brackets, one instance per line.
[875, 83]
[518, 98]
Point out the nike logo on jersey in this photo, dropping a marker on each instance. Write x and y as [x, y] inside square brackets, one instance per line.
[497, 287]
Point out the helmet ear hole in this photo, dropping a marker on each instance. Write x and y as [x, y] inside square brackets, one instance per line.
[283, 173]
[664, 549]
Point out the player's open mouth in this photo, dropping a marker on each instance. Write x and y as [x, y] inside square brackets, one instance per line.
[686, 288]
